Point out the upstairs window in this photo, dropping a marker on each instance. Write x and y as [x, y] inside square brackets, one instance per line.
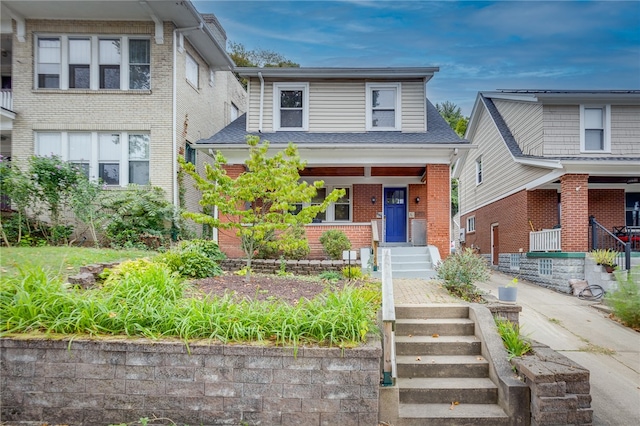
[594, 129]
[479, 176]
[383, 106]
[192, 71]
[291, 106]
[189, 154]
[93, 62]
[49, 63]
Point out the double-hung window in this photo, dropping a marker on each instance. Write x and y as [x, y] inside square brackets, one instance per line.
[339, 211]
[116, 158]
[595, 128]
[383, 106]
[291, 106]
[192, 72]
[471, 224]
[93, 62]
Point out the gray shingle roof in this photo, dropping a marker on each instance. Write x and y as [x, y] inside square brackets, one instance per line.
[438, 132]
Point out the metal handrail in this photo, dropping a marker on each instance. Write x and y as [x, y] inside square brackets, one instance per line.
[602, 238]
[388, 322]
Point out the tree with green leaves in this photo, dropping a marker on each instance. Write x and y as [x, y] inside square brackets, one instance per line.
[257, 58]
[265, 198]
[453, 116]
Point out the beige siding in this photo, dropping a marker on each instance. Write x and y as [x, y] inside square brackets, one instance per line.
[501, 174]
[561, 130]
[525, 121]
[413, 104]
[338, 106]
[625, 130]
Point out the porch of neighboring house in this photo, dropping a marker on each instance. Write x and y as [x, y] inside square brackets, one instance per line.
[383, 206]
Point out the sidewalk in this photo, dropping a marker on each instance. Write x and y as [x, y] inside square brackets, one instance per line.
[570, 326]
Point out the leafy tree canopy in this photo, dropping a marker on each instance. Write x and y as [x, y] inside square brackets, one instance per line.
[453, 116]
[258, 58]
[264, 199]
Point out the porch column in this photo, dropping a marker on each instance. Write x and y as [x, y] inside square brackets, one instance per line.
[574, 212]
[438, 206]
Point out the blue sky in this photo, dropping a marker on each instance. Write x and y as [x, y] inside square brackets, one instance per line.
[477, 45]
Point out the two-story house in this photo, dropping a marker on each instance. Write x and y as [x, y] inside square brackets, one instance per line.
[548, 160]
[371, 131]
[121, 88]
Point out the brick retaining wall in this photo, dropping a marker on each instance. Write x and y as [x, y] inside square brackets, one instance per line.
[99, 382]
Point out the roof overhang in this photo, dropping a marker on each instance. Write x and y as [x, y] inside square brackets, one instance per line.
[618, 97]
[344, 156]
[182, 14]
[357, 73]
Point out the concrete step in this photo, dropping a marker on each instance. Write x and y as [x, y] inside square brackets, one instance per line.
[441, 326]
[441, 345]
[404, 250]
[448, 414]
[404, 264]
[414, 366]
[432, 311]
[425, 274]
[442, 390]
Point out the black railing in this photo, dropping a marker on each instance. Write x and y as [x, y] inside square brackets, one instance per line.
[601, 238]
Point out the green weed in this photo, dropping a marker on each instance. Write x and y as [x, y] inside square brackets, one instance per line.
[515, 344]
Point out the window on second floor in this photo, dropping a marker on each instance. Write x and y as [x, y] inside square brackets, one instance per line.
[101, 154]
[189, 154]
[595, 129]
[479, 171]
[93, 62]
[192, 71]
[383, 106]
[291, 106]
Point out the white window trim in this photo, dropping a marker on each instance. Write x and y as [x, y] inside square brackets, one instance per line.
[196, 83]
[471, 224]
[370, 87]
[606, 130]
[94, 65]
[330, 212]
[277, 88]
[479, 171]
[94, 160]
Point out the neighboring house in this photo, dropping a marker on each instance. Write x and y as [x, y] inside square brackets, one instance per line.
[546, 161]
[120, 88]
[371, 131]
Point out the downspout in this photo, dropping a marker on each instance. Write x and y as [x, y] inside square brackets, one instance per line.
[174, 152]
[261, 102]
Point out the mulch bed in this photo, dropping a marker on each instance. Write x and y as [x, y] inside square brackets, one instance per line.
[265, 287]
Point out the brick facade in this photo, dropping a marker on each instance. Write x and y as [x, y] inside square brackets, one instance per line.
[438, 206]
[574, 190]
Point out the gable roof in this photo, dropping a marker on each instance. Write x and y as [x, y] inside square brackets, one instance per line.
[357, 73]
[439, 132]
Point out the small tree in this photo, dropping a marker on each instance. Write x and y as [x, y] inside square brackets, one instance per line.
[260, 201]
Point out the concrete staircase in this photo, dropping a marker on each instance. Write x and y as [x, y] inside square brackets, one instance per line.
[442, 376]
[412, 262]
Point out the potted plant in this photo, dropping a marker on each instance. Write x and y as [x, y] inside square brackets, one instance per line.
[509, 292]
[606, 258]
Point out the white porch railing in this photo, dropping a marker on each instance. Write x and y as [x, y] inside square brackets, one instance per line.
[545, 240]
[388, 322]
[6, 99]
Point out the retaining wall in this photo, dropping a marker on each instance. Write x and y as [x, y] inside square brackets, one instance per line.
[101, 382]
[297, 267]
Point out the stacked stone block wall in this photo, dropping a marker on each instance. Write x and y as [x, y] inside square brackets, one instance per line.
[560, 390]
[563, 269]
[297, 267]
[98, 382]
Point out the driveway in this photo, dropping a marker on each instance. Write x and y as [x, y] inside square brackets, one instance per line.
[586, 335]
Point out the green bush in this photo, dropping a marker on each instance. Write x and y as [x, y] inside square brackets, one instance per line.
[334, 242]
[460, 271]
[208, 248]
[515, 344]
[352, 272]
[190, 264]
[625, 301]
[297, 246]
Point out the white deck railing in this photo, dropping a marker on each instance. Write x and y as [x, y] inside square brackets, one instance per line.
[545, 240]
[388, 322]
[6, 99]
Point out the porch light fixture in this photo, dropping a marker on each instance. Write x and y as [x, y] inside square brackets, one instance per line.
[417, 200]
[373, 200]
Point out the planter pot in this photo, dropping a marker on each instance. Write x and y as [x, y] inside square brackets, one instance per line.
[507, 294]
[609, 268]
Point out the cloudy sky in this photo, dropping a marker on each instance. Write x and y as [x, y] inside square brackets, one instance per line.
[477, 45]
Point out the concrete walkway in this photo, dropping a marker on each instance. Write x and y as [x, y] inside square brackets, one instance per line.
[572, 327]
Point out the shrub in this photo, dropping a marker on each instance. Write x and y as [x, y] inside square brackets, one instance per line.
[334, 242]
[460, 271]
[296, 246]
[190, 264]
[625, 301]
[208, 248]
[515, 344]
[352, 272]
[330, 276]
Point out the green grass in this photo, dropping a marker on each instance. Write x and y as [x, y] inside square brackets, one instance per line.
[61, 261]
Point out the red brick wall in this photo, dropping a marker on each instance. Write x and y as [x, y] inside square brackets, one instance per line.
[438, 206]
[227, 240]
[607, 206]
[363, 209]
[575, 212]
[543, 208]
[359, 235]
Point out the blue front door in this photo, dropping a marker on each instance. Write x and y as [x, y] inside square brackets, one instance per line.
[395, 211]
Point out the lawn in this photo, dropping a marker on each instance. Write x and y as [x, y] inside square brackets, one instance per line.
[62, 261]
